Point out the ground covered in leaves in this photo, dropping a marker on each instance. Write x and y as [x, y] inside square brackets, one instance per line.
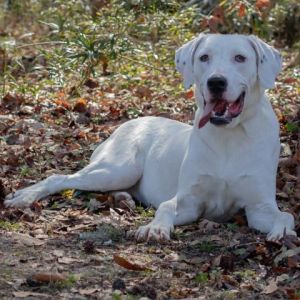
[78, 245]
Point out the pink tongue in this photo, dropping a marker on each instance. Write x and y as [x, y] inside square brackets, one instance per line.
[235, 109]
[208, 108]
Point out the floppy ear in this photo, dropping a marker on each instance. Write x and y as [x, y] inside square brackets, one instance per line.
[184, 60]
[268, 62]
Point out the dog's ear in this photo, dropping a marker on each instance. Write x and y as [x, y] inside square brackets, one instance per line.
[268, 62]
[184, 60]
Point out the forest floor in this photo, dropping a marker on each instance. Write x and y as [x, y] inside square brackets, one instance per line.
[77, 245]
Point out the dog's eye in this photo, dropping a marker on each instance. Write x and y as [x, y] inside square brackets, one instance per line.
[240, 58]
[204, 58]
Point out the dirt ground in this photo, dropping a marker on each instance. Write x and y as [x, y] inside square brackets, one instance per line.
[79, 245]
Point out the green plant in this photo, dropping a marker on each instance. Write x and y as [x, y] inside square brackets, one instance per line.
[9, 226]
[292, 127]
[201, 277]
[25, 170]
[145, 212]
[206, 246]
[232, 227]
[67, 283]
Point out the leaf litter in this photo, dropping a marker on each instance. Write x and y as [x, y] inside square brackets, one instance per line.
[80, 240]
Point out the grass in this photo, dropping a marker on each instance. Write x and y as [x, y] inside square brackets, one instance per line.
[9, 226]
[145, 212]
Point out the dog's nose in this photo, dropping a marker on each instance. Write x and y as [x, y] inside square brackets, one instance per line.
[217, 84]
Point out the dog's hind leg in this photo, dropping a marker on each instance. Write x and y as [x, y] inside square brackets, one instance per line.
[117, 164]
[114, 174]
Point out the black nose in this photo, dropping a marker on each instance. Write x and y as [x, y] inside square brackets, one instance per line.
[217, 84]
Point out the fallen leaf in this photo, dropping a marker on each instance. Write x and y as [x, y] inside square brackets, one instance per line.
[58, 253]
[207, 225]
[67, 260]
[25, 294]
[262, 4]
[27, 240]
[242, 10]
[271, 287]
[80, 105]
[88, 291]
[91, 83]
[127, 264]
[38, 279]
[287, 253]
[11, 101]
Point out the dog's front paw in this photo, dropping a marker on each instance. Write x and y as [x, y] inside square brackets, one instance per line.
[283, 225]
[277, 234]
[154, 231]
[21, 198]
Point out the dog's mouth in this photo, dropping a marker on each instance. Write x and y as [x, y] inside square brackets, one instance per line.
[220, 111]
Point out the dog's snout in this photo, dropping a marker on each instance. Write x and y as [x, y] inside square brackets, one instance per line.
[217, 84]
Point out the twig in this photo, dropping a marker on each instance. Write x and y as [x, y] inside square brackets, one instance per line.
[41, 44]
[4, 71]
[245, 245]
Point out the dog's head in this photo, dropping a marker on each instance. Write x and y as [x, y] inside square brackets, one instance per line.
[227, 70]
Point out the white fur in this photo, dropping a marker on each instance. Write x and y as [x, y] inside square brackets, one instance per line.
[186, 172]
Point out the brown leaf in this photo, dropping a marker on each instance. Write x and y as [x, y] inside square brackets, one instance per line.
[142, 92]
[91, 83]
[12, 102]
[227, 262]
[27, 240]
[290, 80]
[38, 279]
[240, 220]
[127, 264]
[67, 260]
[242, 10]
[262, 4]
[88, 291]
[292, 293]
[293, 262]
[261, 249]
[26, 294]
[271, 287]
[18, 139]
[63, 103]
[80, 105]
[213, 23]
[207, 225]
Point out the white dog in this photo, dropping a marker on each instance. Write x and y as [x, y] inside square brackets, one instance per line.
[225, 162]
